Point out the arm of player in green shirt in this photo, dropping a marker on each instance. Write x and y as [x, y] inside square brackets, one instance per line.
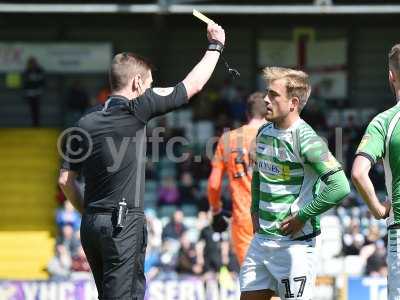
[361, 180]
[318, 157]
[336, 189]
[371, 148]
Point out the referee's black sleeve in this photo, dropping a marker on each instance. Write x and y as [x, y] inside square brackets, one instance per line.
[153, 103]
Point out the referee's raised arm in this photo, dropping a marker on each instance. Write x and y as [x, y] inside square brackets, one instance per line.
[151, 102]
[200, 74]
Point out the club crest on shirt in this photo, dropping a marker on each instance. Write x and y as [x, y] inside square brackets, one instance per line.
[282, 154]
[364, 142]
[163, 91]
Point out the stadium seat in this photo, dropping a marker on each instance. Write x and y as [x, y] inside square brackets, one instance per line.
[189, 210]
[28, 187]
[331, 236]
[166, 211]
[354, 265]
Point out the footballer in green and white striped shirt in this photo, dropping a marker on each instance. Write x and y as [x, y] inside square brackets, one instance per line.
[295, 179]
[381, 141]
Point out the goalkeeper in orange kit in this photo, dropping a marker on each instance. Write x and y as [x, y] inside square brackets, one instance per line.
[232, 156]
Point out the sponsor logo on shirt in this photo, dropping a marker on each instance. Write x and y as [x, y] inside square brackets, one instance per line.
[269, 167]
[278, 171]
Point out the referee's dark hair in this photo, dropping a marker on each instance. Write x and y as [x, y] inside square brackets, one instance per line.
[256, 106]
[394, 59]
[124, 67]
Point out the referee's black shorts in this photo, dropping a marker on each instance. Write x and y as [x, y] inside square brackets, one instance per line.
[116, 257]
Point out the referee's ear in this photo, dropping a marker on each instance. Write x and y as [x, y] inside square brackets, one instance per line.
[136, 83]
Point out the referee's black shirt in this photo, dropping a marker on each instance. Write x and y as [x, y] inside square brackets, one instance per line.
[109, 147]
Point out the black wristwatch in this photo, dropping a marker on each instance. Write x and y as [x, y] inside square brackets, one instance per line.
[215, 46]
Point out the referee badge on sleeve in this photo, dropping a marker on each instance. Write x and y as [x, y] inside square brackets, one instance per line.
[163, 91]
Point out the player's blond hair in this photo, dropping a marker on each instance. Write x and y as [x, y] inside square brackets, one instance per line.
[394, 59]
[297, 82]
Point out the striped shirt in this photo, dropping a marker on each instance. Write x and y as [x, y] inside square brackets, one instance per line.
[288, 170]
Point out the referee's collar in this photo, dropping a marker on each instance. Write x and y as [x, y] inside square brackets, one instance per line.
[116, 101]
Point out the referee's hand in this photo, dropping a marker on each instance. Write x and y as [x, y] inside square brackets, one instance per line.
[220, 221]
[216, 33]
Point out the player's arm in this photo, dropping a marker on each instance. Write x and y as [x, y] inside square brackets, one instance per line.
[336, 189]
[71, 166]
[201, 73]
[68, 184]
[220, 219]
[371, 149]
[316, 154]
[363, 184]
[218, 165]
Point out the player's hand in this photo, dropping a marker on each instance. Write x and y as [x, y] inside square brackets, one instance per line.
[291, 225]
[216, 33]
[220, 221]
[388, 206]
[383, 211]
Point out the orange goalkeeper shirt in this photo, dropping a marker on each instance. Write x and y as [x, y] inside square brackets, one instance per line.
[232, 156]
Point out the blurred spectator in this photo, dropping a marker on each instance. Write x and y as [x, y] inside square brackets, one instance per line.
[77, 101]
[59, 267]
[33, 85]
[168, 257]
[353, 240]
[373, 234]
[69, 239]
[168, 193]
[188, 191]
[154, 229]
[376, 263]
[187, 164]
[210, 251]
[175, 227]
[79, 261]
[152, 262]
[187, 261]
[67, 215]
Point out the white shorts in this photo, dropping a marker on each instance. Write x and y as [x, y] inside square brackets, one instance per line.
[285, 266]
[393, 262]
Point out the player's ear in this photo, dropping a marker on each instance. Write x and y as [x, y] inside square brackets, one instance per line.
[392, 76]
[295, 103]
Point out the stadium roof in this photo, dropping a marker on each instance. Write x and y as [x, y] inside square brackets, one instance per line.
[207, 6]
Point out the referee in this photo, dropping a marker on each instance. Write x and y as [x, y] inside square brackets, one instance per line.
[108, 146]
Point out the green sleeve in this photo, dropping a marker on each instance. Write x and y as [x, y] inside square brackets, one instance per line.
[372, 144]
[255, 191]
[317, 155]
[336, 189]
